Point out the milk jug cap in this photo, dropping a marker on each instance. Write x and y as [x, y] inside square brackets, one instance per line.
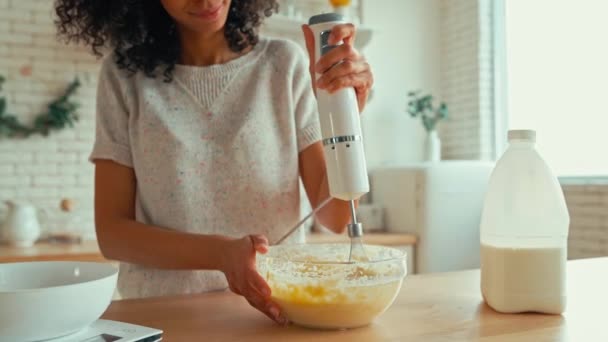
[524, 135]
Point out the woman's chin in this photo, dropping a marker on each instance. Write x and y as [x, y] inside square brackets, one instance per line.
[205, 27]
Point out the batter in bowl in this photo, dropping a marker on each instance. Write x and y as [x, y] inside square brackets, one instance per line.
[325, 295]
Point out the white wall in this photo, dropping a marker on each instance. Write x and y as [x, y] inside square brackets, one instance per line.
[405, 55]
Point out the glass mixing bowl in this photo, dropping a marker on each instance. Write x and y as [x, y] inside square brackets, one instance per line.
[316, 286]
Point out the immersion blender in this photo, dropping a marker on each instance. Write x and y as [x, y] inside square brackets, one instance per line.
[342, 139]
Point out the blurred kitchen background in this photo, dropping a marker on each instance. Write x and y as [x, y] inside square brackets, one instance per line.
[537, 64]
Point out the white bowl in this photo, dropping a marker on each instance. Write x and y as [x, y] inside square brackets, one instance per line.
[44, 300]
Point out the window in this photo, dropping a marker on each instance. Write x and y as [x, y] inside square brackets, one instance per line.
[556, 74]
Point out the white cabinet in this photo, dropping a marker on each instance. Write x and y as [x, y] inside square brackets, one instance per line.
[441, 204]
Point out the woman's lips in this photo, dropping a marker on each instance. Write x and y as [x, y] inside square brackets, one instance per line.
[209, 14]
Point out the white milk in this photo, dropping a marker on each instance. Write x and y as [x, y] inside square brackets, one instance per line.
[524, 279]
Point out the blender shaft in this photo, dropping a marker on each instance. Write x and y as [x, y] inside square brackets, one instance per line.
[355, 229]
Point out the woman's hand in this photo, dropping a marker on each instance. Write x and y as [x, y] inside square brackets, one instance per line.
[353, 71]
[239, 267]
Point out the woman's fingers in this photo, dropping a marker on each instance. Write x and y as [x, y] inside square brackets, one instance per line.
[256, 282]
[336, 55]
[268, 308]
[360, 81]
[260, 243]
[262, 307]
[342, 32]
[362, 96]
[258, 293]
[342, 69]
[343, 66]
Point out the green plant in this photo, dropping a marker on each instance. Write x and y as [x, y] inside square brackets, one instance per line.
[60, 114]
[423, 107]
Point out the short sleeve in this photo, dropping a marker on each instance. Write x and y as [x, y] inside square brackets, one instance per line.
[306, 112]
[112, 116]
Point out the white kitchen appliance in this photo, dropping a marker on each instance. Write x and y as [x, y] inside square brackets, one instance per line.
[112, 331]
[441, 203]
[340, 129]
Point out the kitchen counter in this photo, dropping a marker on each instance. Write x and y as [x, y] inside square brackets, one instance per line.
[430, 307]
[44, 251]
[89, 250]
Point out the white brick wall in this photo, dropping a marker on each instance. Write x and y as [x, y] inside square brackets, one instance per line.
[589, 220]
[45, 170]
[485, 87]
[466, 79]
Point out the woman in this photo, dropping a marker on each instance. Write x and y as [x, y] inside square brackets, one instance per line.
[203, 132]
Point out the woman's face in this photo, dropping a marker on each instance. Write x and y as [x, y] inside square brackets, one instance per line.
[203, 16]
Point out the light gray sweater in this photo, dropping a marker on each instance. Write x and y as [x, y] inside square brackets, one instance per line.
[215, 151]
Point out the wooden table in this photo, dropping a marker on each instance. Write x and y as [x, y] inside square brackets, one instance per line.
[435, 307]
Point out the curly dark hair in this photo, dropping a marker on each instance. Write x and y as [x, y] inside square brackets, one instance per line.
[143, 35]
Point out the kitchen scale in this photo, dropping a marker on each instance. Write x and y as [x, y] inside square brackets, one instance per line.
[112, 331]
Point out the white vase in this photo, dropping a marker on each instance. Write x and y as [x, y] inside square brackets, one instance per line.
[432, 147]
[21, 227]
